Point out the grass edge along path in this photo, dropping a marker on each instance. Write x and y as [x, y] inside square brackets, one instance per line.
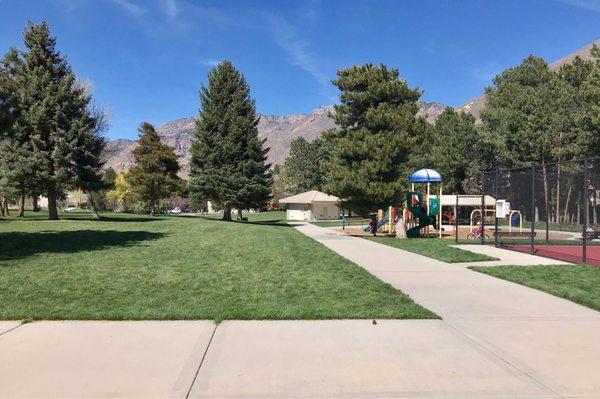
[135, 267]
[436, 248]
[576, 283]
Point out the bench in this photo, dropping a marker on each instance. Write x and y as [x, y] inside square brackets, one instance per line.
[527, 234]
[593, 234]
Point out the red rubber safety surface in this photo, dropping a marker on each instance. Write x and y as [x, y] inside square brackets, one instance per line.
[567, 253]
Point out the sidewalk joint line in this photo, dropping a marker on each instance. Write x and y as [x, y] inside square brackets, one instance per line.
[201, 362]
[14, 328]
[498, 356]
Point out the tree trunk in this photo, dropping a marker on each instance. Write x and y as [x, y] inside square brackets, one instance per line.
[239, 214]
[6, 208]
[35, 205]
[52, 206]
[227, 214]
[92, 202]
[22, 207]
[2, 213]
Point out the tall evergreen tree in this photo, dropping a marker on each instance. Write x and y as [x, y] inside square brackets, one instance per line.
[306, 165]
[55, 118]
[590, 93]
[17, 161]
[539, 115]
[528, 107]
[87, 161]
[378, 133]
[456, 148]
[8, 92]
[154, 175]
[228, 164]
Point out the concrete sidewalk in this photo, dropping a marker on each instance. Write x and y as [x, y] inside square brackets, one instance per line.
[552, 340]
[254, 359]
[505, 257]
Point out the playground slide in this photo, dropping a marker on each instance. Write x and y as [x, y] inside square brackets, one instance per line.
[424, 221]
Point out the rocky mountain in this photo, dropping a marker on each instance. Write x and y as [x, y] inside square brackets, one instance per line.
[278, 130]
[476, 105]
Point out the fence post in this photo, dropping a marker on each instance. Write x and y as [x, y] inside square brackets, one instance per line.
[585, 212]
[496, 210]
[533, 210]
[482, 217]
[456, 220]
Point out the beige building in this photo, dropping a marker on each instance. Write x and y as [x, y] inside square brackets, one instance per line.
[311, 205]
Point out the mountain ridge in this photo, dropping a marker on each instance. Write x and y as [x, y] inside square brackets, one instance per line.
[278, 130]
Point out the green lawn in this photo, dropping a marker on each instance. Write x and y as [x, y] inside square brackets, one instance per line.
[141, 267]
[437, 248]
[573, 282]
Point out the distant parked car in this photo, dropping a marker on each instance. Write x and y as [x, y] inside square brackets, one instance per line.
[70, 208]
[174, 211]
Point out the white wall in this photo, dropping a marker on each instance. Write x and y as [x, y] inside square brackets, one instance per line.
[298, 212]
[316, 211]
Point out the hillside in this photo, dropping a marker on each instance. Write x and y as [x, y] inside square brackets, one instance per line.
[278, 130]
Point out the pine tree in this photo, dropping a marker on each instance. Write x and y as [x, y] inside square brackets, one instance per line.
[55, 119]
[306, 165]
[228, 165]
[154, 175]
[449, 147]
[17, 161]
[590, 94]
[108, 178]
[86, 159]
[8, 92]
[378, 132]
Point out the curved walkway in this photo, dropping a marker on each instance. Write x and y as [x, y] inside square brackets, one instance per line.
[551, 340]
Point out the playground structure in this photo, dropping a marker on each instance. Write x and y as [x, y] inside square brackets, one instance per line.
[423, 212]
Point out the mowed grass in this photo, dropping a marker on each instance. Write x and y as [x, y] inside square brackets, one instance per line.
[132, 267]
[436, 248]
[576, 283]
[338, 223]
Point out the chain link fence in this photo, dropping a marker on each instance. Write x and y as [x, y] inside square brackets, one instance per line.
[550, 210]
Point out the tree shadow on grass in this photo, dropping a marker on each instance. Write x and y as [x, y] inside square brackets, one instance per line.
[271, 223]
[85, 217]
[18, 245]
[126, 219]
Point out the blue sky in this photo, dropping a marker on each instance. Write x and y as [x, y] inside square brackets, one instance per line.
[146, 59]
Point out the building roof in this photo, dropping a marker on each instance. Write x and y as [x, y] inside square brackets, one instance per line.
[309, 197]
[425, 176]
[466, 200]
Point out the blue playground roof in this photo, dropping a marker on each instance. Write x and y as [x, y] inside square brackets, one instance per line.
[425, 176]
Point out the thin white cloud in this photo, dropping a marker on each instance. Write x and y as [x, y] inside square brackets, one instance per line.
[485, 73]
[129, 6]
[590, 5]
[297, 49]
[210, 62]
[170, 8]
